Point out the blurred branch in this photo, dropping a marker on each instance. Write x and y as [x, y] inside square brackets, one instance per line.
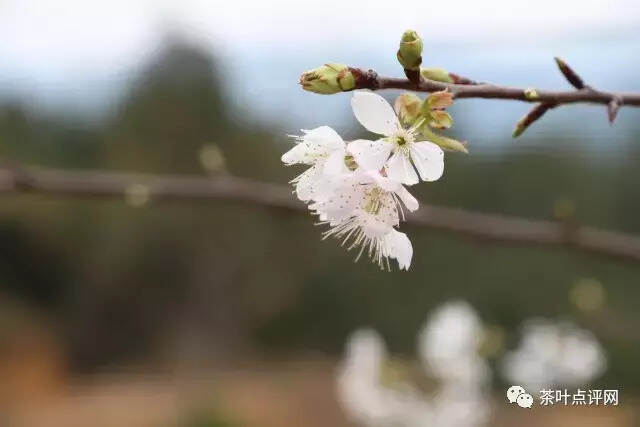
[99, 184]
[544, 98]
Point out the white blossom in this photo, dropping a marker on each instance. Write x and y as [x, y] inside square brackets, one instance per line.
[554, 354]
[363, 213]
[324, 150]
[362, 394]
[357, 189]
[461, 399]
[448, 345]
[398, 149]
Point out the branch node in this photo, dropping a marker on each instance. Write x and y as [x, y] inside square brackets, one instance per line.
[365, 79]
[461, 80]
[531, 94]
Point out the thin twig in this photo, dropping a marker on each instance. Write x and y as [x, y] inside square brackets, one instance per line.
[59, 183]
[371, 80]
[546, 100]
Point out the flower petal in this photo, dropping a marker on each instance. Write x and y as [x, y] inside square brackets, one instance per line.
[399, 169]
[386, 217]
[407, 198]
[298, 154]
[374, 113]
[397, 245]
[428, 158]
[341, 204]
[313, 145]
[307, 182]
[324, 136]
[370, 155]
[334, 165]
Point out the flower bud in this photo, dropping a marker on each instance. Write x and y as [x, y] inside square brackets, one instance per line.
[439, 100]
[328, 79]
[437, 74]
[440, 120]
[432, 109]
[407, 107]
[410, 52]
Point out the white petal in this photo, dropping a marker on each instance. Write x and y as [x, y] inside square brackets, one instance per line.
[342, 203]
[374, 227]
[407, 198]
[383, 182]
[370, 155]
[399, 169]
[306, 183]
[374, 113]
[380, 223]
[324, 136]
[298, 154]
[313, 145]
[397, 245]
[428, 159]
[334, 165]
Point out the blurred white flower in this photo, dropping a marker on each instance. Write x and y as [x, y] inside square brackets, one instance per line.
[364, 398]
[447, 345]
[377, 116]
[453, 331]
[324, 150]
[554, 354]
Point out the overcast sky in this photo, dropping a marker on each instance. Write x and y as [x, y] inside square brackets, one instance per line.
[81, 53]
[36, 34]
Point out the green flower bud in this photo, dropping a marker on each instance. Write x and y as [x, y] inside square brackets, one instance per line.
[328, 79]
[407, 107]
[437, 74]
[410, 52]
[440, 120]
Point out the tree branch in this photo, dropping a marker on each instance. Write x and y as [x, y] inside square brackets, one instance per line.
[583, 93]
[58, 183]
[546, 100]
[371, 80]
